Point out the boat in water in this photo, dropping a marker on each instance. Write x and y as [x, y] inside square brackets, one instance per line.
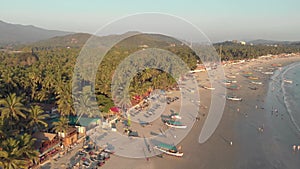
[175, 124]
[168, 149]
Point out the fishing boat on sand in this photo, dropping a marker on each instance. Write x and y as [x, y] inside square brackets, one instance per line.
[231, 76]
[168, 149]
[233, 87]
[253, 77]
[288, 81]
[253, 88]
[175, 116]
[234, 98]
[175, 124]
[228, 82]
[258, 83]
[247, 74]
[208, 88]
[267, 73]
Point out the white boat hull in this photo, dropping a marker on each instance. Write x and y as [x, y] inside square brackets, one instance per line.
[178, 127]
[178, 154]
[235, 99]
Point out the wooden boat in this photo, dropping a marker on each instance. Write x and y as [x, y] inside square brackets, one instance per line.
[288, 81]
[208, 88]
[247, 74]
[258, 83]
[228, 82]
[175, 116]
[234, 98]
[253, 78]
[253, 88]
[168, 149]
[267, 73]
[175, 124]
[232, 87]
[231, 76]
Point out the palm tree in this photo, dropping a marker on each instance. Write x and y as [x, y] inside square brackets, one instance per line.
[4, 132]
[61, 125]
[26, 143]
[64, 99]
[17, 152]
[37, 118]
[10, 156]
[85, 105]
[12, 107]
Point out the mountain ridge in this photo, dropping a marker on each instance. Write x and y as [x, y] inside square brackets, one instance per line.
[12, 34]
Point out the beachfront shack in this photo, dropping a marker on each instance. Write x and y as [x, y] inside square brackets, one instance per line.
[70, 137]
[47, 144]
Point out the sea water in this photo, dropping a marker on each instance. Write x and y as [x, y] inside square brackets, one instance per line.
[283, 117]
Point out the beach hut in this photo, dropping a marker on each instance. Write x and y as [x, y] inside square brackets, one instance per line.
[70, 137]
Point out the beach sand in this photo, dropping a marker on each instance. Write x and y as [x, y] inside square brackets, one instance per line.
[239, 125]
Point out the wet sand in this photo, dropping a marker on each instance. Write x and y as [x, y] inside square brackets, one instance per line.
[239, 124]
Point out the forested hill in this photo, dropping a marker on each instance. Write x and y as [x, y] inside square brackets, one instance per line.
[234, 50]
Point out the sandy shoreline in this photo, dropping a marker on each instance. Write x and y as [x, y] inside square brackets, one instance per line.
[236, 126]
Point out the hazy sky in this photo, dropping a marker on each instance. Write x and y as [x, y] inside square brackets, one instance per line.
[219, 20]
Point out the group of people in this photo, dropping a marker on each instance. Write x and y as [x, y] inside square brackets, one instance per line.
[296, 148]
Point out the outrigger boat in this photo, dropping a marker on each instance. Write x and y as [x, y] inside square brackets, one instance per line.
[175, 124]
[168, 149]
[234, 98]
